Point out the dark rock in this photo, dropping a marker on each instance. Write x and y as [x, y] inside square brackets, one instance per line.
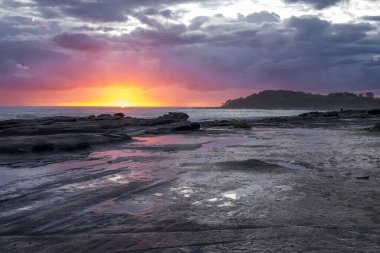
[374, 112]
[75, 147]
[119, 114]
[376, 128]
[331, 114]
[310, 114]
[12, 151]
[67, 134]
[242, 125]
[187, 126]
[171, 117]
[42, 147]
[104, 117]
[57, 142]
[348, 114]
[177, 116]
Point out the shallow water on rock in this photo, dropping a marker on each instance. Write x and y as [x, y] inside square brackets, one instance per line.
[134, 206]
[203, 183]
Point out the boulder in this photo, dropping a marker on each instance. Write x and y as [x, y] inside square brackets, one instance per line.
[176, 116]
[119, 115]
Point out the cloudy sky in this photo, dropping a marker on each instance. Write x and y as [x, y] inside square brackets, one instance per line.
[183, 52]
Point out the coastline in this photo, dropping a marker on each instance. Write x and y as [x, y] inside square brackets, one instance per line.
[70, 134]
[171, 185]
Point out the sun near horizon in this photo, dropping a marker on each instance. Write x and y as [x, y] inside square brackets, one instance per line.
[121, 95]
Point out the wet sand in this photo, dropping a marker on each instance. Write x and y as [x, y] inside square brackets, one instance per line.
[217, 190]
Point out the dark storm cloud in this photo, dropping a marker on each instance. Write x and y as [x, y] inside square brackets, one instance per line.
[101, 28]
[102, 11]
[110, 10]
[371, 18]
[80, 41]
[302, 53]
[16, 25]
[318, 4]
[174, 35]
[256, 51]
[152, 17]
[29, 52]
[166, 13]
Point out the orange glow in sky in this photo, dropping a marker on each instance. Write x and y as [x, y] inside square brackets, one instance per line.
[116, 95]
[121, 96]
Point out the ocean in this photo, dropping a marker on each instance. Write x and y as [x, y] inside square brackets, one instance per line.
[196, 114]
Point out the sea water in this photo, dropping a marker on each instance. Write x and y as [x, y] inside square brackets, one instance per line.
[196, 114]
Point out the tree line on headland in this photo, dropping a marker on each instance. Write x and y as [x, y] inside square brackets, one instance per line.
[284, 99]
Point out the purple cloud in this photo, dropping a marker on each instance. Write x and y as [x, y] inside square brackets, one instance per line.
[80, 41]
[256, 51]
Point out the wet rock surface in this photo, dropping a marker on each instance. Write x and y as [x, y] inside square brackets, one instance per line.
[332, 119]
[376, 128]
[265, 189]
[66, 134]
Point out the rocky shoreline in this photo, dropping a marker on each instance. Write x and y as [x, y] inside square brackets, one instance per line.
[110, 183]
[66, 134]
[70, 134]
[310, 119]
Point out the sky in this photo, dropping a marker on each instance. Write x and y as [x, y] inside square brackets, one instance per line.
[183, 52]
